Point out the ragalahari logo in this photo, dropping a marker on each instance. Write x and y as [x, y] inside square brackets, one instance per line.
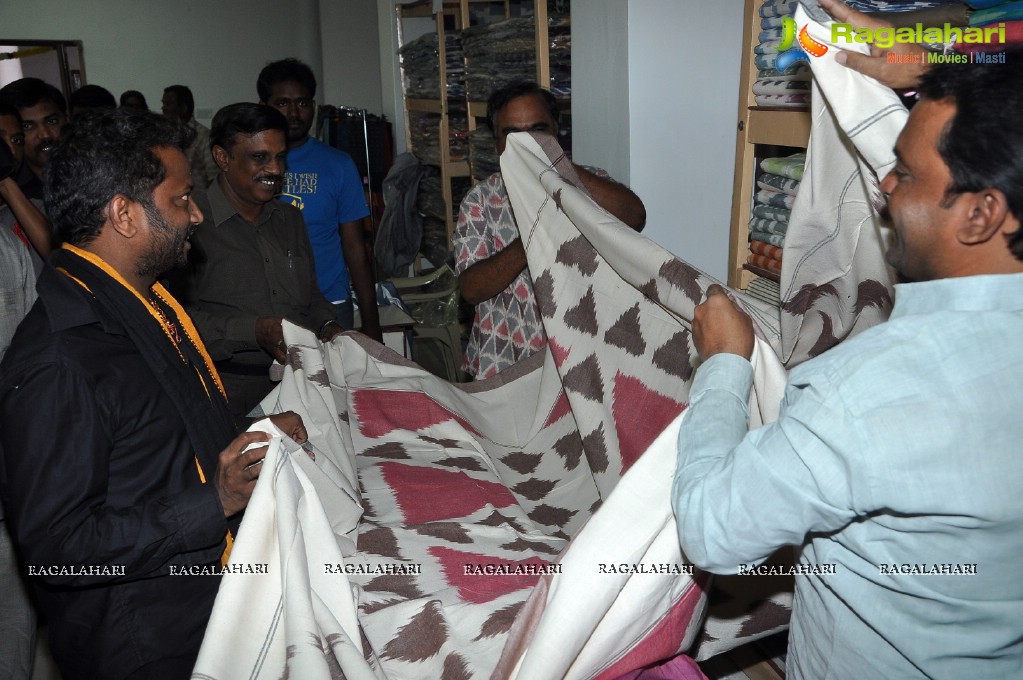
[806, 47]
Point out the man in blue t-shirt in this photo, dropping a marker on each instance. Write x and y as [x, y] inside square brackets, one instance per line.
[325, 185]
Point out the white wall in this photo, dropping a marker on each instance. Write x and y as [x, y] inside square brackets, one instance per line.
[684, 58]
[351, 54]
[215, 47]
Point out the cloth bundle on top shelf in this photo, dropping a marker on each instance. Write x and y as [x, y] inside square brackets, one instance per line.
[990, 13]
[784, 89]
[420, 59]
[498, 54]
[778, 184]
[559, 34]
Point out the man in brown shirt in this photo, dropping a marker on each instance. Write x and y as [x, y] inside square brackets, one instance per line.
[251, 264]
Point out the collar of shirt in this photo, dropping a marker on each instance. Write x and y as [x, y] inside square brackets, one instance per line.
[994, 292]
[222, 209]
[69, 305]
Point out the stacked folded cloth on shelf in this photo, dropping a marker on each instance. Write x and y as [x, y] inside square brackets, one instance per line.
[424, 133]
[877, 6]
[420, 59]
[778, 184]
[993, 13]
[789, 88]
[559, 34]
[498, 54]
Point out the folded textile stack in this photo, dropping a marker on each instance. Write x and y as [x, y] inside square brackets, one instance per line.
[430, 203]
[559, 35]
[424, 133]
[778, 184]
[498, 54]
[875, 6]
[990, 14]
[420, 59]
[785, 89]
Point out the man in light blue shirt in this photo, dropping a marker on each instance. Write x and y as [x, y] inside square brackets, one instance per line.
[897, 461]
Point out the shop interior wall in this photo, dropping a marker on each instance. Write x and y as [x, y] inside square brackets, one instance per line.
[215, 48]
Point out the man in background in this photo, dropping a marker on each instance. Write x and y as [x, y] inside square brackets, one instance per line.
[90, 98]
[43, 112]
[251, 265]
[178, 104]
[325, 185]
[17, 293]
[489, 256]
[21, 216]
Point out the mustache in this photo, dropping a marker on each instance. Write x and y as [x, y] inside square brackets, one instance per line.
[45, 145]
[191, 231]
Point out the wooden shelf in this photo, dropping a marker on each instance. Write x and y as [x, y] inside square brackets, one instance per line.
[757, 125]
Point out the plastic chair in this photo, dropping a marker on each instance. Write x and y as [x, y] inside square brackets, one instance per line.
[432, 300]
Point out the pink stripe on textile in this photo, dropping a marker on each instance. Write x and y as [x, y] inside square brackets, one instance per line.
[680, 668]
[429, 495]
[479, 587]
[664, 640]
[640, 414]
[380, 412]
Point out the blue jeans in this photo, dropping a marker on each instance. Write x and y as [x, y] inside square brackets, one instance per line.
[344, 312]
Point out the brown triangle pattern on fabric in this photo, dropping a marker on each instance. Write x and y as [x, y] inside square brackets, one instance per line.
[673, 357]
[585, 379]
[463, 463]
[682, 276]
[442, 443]
[543, 292]
[626, 333]
[534, 489]
[649, 289]
[578, 253]
[826, 340]
[330, 658]
[372, 607]
[556, 197]
[399, 584]
[807, 296]
[522, 462]
[389, 450]
[596, 505]
[379, 541]
[583, 317]
[499, 622]
[872, 293]
[595, 448]
[319, 378]
[345, 418]
[496, 519]
[452, 532]
[420, 638]
[765, 615]
[570, 448]
[551, 516]
[455, 668]
[522, 545]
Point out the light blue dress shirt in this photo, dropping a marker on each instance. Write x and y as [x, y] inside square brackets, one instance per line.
[900, 450]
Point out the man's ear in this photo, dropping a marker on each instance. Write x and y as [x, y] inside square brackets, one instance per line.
[988, 213]
[220, 156]
[121, 215]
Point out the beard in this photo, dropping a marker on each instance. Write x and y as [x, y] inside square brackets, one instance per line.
[167, 249]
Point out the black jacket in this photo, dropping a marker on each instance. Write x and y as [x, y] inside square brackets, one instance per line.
[98, 477]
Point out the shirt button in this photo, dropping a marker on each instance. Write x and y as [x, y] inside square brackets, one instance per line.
[274, 292]
[267, 260]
